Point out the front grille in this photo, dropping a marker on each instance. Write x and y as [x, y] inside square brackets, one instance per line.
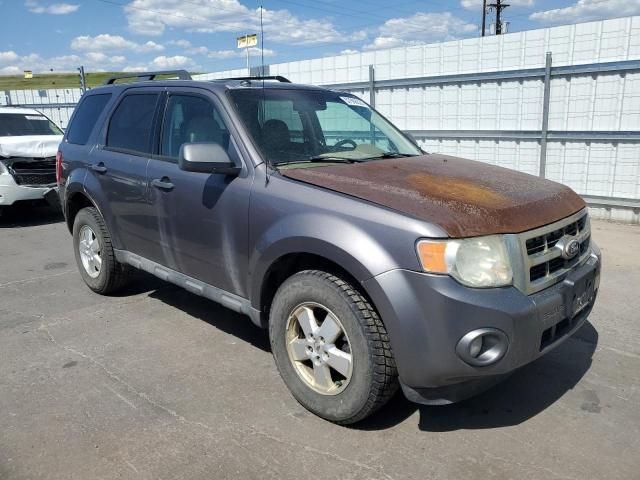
[544, 264]
[35, 178]
[34, 172]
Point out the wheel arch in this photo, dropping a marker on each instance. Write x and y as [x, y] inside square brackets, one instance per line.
[76, 201]
[290, 263]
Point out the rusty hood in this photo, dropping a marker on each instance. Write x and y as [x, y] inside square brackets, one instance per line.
[465, 198]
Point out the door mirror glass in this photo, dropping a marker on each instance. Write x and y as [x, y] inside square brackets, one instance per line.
[206, 158]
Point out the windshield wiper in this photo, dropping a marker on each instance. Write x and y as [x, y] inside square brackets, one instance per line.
[391, 155]
[320, 159]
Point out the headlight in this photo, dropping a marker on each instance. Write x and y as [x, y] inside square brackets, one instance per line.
[3, 168]
[480, 262]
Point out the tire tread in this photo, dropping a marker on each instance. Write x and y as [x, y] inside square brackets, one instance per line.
[118, 274]
[385, 375]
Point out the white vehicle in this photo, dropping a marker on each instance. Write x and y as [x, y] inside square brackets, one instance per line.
[28, 145]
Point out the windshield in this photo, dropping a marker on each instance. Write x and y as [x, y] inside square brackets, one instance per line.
[292, 126]
[20, 124]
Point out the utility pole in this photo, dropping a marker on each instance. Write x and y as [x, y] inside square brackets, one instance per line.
[499, 6]
[484, 16]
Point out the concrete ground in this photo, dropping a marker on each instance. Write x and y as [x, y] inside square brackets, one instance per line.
[158, 383]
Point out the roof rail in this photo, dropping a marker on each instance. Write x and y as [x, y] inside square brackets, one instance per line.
[141, 76]
[279, 78]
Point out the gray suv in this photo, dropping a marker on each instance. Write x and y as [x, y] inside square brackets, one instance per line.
[372, 264]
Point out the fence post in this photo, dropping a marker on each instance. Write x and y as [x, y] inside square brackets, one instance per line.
[372, 86]
[545, 115]
[83, 81]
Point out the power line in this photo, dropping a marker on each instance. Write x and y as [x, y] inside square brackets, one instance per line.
[498, 6]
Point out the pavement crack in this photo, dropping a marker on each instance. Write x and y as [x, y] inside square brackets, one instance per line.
[115, 377]
[317, 451]
[35, 279]
[528, 465]
[182, 419]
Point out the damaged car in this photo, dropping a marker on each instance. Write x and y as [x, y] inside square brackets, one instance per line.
[373, 265]
[28, 144]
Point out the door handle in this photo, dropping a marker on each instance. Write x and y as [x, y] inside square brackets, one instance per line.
[162, 183]
[99, 168]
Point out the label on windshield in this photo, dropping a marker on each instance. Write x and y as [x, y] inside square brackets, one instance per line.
[34, 117]
[354, 102]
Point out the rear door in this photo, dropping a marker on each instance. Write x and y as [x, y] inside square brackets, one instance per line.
[119, 164]
[201, 219]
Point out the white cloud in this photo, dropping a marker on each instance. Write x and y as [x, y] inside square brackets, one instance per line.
[222, 54]
[587, 10]
[150, 47]
[8, 57]
[348, 51]
[180, 43]
[477, 4]
[54, 9]
[421, 28]
[105, 41]
[177, 61]
[10, 70]
[152, 17]
[135, 68]
[92, 61]
[189, 49]
[104, 59]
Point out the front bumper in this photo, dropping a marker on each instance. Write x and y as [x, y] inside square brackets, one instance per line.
[427, 315]
[10, 192]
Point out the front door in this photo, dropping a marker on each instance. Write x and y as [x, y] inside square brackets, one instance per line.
[201, 218]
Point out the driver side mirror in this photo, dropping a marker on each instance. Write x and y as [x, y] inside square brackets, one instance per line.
[206, 158]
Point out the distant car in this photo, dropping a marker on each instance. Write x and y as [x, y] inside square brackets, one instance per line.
[28, 145]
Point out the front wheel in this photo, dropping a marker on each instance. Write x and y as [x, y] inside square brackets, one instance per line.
[331, 348]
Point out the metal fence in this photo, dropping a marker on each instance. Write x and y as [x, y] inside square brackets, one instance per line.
[370, 89]
[55, 103]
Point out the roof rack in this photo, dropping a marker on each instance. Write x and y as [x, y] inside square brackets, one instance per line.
[142, 76]
[279, 78]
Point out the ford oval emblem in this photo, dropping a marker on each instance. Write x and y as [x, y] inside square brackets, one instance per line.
[570, 247]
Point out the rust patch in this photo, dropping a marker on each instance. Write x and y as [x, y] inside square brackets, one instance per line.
[456, 189]
[463, 197]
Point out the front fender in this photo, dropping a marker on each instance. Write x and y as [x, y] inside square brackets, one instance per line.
[324, 235]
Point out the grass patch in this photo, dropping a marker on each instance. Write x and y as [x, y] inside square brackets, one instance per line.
[54, 80]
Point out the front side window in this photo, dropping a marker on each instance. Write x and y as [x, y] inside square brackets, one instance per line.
[293, 126]
[191, 119]
[131, 125]
[21, 124]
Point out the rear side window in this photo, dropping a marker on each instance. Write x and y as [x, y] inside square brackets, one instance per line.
[131, 124]
[86, 117]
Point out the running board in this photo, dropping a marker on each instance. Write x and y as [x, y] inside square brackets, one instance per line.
[224, 298]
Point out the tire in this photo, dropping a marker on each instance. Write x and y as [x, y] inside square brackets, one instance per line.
[111, 275]
[370, 380]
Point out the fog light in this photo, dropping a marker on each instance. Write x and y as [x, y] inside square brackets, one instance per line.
[482, 347]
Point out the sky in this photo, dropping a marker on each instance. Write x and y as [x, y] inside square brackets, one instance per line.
[200, 35]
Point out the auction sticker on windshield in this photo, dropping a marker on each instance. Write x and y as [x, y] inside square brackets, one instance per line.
[354, 102]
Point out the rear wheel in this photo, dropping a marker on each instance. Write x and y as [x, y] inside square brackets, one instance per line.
[94, 253]
[331, 348]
